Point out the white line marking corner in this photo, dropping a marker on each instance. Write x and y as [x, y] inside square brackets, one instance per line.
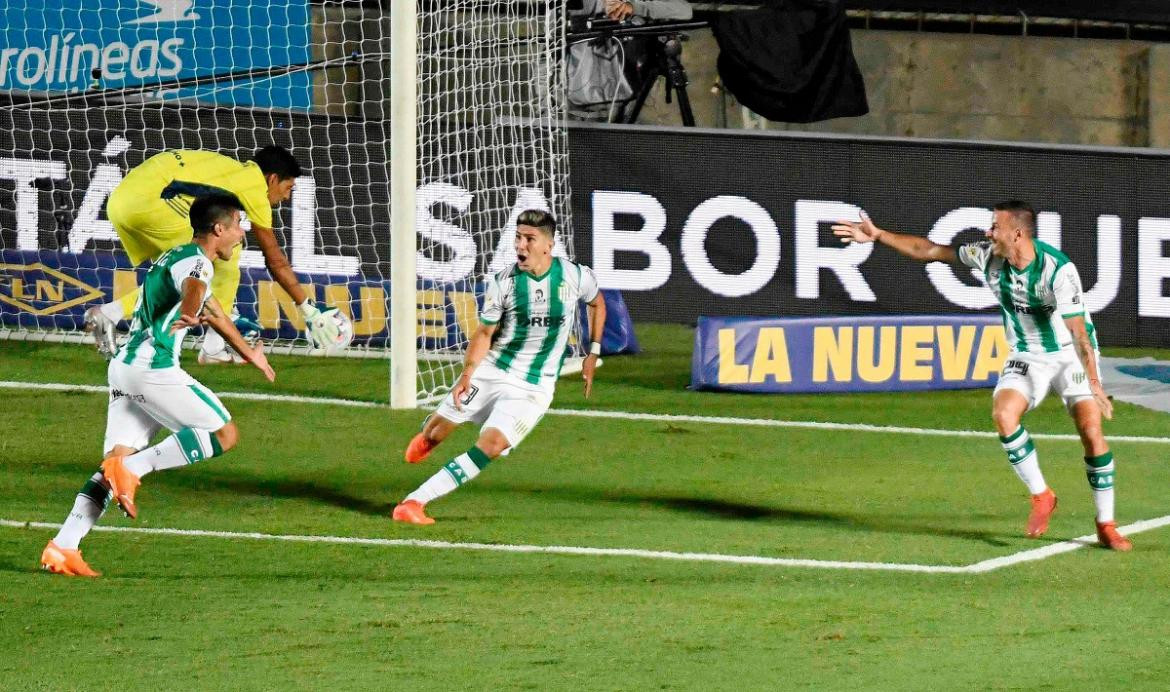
[976, 568]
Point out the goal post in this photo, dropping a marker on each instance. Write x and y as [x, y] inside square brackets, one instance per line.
[403, 180]
[424, 128]
[491, 142]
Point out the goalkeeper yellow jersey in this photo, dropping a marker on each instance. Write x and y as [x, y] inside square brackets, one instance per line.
[149, 209]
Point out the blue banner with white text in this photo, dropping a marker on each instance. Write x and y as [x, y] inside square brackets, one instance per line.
[70, 46]
[848, 354]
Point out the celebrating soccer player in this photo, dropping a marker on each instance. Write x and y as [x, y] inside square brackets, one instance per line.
[1053, 346]
[508, 386]
[148, 389]
[149, 211]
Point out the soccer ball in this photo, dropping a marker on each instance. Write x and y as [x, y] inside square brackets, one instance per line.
[336, 322]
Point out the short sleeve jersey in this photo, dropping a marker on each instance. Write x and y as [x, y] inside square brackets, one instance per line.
[536, 315]
[151, 343]
[1035, 300]
[179, 176]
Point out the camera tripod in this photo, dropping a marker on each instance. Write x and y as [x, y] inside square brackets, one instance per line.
[665, 61]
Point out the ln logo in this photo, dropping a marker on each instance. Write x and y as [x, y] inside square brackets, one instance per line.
[40, 290]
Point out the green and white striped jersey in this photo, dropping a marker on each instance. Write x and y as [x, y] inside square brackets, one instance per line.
[151, 343]
[536, 315]
[1035, 300]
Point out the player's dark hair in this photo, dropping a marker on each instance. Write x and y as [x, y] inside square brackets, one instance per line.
[209, 210]
[1022, 211]
[279, 161]
[538, 218]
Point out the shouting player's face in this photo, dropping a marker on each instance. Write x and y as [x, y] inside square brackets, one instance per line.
[230, 235]
[533, 249]
[1004, 231]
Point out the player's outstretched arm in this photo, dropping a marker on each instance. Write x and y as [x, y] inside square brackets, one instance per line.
[278, 265]
[189, 305]
[481, 341]
[1088, 357]
[596, 311]
[322, 330]
[912, 246]
[220, 321]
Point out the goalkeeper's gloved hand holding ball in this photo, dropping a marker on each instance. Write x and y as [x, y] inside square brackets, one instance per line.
[328, 329]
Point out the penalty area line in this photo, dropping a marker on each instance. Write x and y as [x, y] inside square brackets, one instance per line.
[622, 415]
[981, 567]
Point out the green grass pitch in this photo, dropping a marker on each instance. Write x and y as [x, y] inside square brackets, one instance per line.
[175, 611]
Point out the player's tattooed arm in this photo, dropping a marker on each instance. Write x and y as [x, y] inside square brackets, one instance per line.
[212, 310]
[912, 246]
[189, 305]
[481, 342]
[219, 320]
[1088, 358]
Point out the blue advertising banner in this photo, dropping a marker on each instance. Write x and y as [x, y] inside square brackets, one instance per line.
[55, 46]
[47, 289]
[848, 354]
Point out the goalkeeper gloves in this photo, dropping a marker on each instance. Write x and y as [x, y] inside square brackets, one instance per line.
[320, 326]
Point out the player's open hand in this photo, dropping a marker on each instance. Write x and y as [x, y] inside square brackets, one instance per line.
[186, 322]
[1102, 399]
[588, 367]
[863, 231]
[459, 391]
[261, 361]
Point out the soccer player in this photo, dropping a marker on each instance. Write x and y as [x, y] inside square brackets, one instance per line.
[149, 211]
[1053, 346]
[148, 389]
[512, 362]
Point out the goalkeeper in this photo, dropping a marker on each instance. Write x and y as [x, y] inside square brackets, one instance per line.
[149, 210]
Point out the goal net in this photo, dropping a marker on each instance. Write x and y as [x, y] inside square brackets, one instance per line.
[89, 90]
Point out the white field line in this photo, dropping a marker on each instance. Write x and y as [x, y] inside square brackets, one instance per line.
[621, 415]
[979, 567]
[976, 568]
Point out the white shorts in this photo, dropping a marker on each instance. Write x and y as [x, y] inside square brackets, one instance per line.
[143, 401]
[1034, 374]
[499, 401]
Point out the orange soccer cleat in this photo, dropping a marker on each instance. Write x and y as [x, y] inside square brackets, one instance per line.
[411, 512]
[418, 449]
[1043, 505]
[60, 560]
[122, 483]
[1111, 538]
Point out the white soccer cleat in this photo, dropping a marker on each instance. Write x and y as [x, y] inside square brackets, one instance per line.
[215, 351]
[225, 356]
[105, 332]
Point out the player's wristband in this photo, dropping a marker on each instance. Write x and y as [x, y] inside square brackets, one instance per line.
[595, 348]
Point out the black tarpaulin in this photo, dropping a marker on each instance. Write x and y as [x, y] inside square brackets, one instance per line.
[791, 61]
